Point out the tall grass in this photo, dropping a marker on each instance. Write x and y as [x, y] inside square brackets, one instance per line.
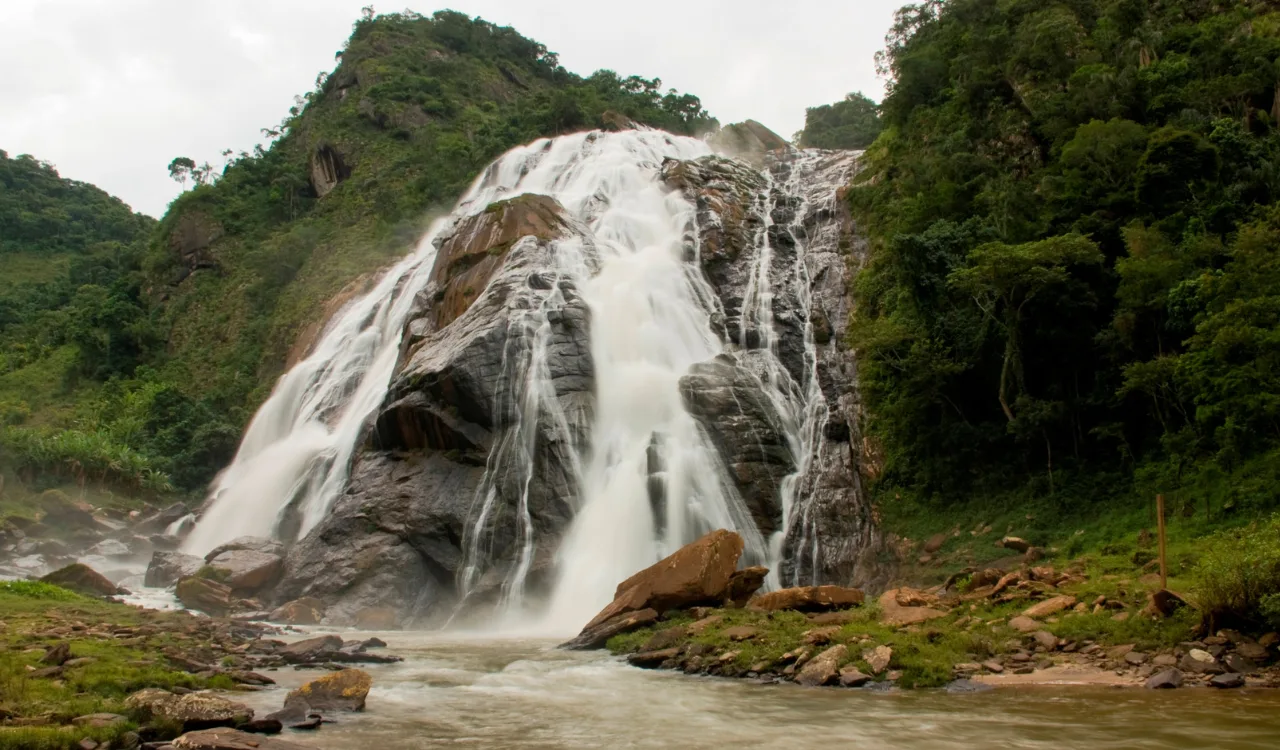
[81, 456]
[1238, 576]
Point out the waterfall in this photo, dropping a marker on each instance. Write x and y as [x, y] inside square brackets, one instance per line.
[647, 476]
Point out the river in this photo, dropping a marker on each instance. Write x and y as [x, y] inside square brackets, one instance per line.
[483, 692]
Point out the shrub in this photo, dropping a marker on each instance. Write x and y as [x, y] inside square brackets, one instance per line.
[1239, 577]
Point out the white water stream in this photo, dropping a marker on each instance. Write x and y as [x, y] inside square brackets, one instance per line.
[650, 322]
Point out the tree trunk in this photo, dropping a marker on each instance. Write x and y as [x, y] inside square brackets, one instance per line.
[1004, 377]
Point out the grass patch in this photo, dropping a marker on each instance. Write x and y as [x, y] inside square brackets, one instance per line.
[38, 590]
[1238, 577]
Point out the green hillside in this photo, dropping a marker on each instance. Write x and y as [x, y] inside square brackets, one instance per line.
[154, 358]
[1073, 299]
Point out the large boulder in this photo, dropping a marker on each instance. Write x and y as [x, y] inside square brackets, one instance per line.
[167, 568]
[809, 599]
[305, 611]
[61, 513]
[823, 669]
[344, 690]
[245, 570]
[257, 544]
[205, 595]
[894, 612]
[596, 636]
[199, 710]
[82, 579]
[697, 573]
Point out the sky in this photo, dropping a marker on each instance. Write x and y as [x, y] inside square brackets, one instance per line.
[110, 91]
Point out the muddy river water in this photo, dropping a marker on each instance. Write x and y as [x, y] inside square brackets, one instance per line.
[487, 692]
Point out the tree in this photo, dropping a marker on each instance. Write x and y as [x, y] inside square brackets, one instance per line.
[181, 169]
[850, 124]
[1003, 279]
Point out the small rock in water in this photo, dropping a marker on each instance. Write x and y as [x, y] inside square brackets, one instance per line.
[1165, 680]
[853, 677]
[1229, 680]
[968, 686]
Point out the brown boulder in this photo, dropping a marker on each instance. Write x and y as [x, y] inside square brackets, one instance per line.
[809, 599]
[206, 595]
[230, 739]
[823, 669]
[338, 691]
[1163, 603]
[698, 573]
[305, 611]
[167, 568]
[743, 584]
[193, 711]
[894, 614]
[82, 579]
[597, 636]
[1015, 544]
[935, 543]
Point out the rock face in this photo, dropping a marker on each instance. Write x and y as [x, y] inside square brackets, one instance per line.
[167, 568]
[398, 538]
[749, 141]
[698, 573]
[247, 570]
[475, 450]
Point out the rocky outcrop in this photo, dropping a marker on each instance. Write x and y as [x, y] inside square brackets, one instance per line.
[247, 564]
[448, 447]
[167, 568]
[327, 168]
[749, 141]
[205, 595]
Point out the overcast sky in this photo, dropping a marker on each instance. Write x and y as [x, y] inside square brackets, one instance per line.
[110, 90]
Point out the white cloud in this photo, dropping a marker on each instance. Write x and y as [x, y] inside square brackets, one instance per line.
[111, 90]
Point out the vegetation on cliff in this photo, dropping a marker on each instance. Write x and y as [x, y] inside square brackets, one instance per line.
[1071, 301]
[852, 124]
[144, 348]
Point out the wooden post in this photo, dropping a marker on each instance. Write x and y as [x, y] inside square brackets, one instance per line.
[1164, 568]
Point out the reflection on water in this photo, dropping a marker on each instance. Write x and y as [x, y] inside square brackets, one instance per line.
[486, 693]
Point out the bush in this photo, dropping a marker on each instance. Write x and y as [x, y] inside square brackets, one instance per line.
[1239, 578]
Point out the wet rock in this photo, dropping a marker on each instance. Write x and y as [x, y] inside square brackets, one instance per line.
[262, 726]
[823, 669]
[853, 677]
[374, 642]
[1227, 681]
[596, 637]
[205, 595]
[168, 567]
[160, 520]
[968, 686]
[809, 599]
[246, 570]
[1199, 661]
[698, 573]
[1050, 606]
[231, 739]
[61, 512]
[305, 611]
[1236, 663]
[110, 548]
[339, 691]
[652, 659]
[82, 579]
[1254, 651]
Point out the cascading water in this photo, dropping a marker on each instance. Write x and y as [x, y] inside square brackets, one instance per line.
[645, 476]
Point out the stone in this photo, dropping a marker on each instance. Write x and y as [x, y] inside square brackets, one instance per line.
[262, 726]
[1227, 681]
[1016, 544]
[246, 570]
[821, 636]
[377, 618]
[852, 677]
[345, 690]
[1050, 606]
[906, 597]
[87, 744]
[1254, 651]
[168, 567]
[305, 611]
[894, 614]
[743, 584]
[1234, 662]
[310, 649]
[1163, 603]
[698, 573]
[1135, 659]
[374, 642]
[664, 639]
[809, 599]
[878, 658]
[701, 625]
[196, 710]
[82, 579]
[823, 669]
[57, 654]
[831, 618]
[98, 721]
[993, 666]
[63, 513]
[1024, 624]
[46, 672]
[231, 739]
[1268, 640]
[749, 141]
[1046, 639]
[968, 686]
[596, 637]
[1165, 660]
[652, 659]
[741, 633]
[205, 595]
[935, 543]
